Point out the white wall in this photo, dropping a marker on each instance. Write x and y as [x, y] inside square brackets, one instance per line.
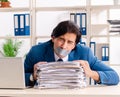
[46, 21]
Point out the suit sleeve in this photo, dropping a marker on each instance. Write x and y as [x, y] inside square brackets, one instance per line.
[28, 66]
[108, 76]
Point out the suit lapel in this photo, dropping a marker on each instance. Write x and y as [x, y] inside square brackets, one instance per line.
[73, 56]
[70, 57]
[49, 57]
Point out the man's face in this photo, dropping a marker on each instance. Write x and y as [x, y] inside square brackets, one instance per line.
[65, 42]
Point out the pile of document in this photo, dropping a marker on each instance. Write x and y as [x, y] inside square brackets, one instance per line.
[114, 26]
[60, 75]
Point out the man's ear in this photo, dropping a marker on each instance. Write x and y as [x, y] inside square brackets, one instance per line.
[52, 37]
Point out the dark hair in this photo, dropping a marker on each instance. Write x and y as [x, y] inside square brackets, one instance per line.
[65, 27]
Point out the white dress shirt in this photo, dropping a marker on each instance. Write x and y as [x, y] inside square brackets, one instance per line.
[64, 59]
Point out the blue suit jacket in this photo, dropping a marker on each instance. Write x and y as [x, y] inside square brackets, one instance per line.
[44, 52]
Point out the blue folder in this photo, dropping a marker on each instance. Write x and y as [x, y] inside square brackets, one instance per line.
[16, 25]
[105, 53]
[27, 24]
[21, 24]
[84, 23]
[93, 47]
[81, 21]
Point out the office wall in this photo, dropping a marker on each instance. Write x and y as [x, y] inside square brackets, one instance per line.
[46, 21]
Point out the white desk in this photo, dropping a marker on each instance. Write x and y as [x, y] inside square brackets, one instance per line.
[90, 91]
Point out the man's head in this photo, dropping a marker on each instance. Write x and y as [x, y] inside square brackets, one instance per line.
[65, 36]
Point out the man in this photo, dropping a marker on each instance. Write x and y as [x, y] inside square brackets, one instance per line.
[64, 45]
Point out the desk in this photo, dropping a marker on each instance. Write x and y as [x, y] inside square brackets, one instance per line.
[90, 91]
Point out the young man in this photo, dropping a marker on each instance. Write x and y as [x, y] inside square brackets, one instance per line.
[64, 45]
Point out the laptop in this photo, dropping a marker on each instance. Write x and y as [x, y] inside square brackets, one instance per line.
[12, 72]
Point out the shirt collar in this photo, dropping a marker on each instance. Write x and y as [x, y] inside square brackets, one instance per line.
[64, 59]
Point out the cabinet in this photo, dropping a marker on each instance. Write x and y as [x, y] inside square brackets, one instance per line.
[100, 30]
[46, 14]
[102, 27]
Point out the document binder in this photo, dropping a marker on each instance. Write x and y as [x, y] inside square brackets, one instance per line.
[73, 17]
[83, 28]
[16, 25]
[21, 24]
[82, 42]
[91, 81]
[93, 47]
[78, 19]
[27, 24]
[105, 53]
[81, 22]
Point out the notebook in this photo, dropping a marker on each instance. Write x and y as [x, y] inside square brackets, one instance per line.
[12, 73]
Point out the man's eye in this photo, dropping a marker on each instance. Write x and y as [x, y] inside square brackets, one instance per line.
[61, 39]
[70, 42]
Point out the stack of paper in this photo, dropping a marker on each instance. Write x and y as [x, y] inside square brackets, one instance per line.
[114, 26]
[60, 75]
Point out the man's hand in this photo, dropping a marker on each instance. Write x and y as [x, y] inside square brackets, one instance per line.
[35, 69]
[88, 72]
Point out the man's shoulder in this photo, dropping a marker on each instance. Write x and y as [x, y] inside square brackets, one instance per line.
[82, 47]
[43, 44]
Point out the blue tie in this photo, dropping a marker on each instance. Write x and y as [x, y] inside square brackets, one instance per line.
[60, 60]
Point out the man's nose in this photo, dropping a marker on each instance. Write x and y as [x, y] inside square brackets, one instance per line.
[64, 45]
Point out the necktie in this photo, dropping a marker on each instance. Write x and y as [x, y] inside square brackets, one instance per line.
[59, 60]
